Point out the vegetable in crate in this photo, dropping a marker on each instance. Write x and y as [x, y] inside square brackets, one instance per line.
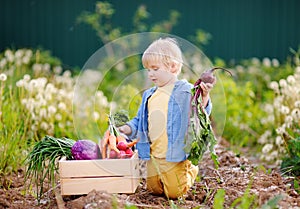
[42, 161]
[200, 133]
[115, 140]
[85, 150]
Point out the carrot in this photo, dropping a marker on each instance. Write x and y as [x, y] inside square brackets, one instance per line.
[120, 138]
[131, 144]
[113, 143]
[104, 144]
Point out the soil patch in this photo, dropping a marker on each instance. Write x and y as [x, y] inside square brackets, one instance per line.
[237, 175]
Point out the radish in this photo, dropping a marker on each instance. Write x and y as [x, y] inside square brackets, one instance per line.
[113, 154]
[122, 146]
[122, 154]
[129, 152]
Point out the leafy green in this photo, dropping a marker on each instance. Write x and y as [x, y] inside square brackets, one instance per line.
[219, 199]
[291, 163]
[121, 117]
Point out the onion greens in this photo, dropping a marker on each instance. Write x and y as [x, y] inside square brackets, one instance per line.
[42, 162]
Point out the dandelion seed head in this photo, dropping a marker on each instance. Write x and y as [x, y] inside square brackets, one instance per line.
[57, 70]
[28, 53]
[26, 60]
[9, 55]
[37, 68]
[34, 127]
[280, 130]
[288, 119]
[275, 62]
[19, 53]
[296, 114]
[52, 110]
[43, 113]
[291, 79]
[284, 110]
[44, 126]
[46, 67]
[266, 62]
[67, 74]
[58, 117]
[3, 62]
[274, 85]
[282, 83]
[26, 77]
[62, 106]
[96, 116]
[3, 77]
[50, 88]
[255, 61]
[278, 140]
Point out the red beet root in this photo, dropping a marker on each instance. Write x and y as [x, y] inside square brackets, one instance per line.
[206, 77]
[209, 77]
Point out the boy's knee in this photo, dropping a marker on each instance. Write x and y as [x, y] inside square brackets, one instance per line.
[174, 193]
[154, 186]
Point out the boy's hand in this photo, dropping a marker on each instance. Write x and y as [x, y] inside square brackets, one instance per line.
[125, 129]
[206, 87]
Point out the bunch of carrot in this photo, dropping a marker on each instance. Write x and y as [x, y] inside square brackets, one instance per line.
[113, 139]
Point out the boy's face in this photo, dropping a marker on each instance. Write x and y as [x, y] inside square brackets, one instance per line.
[160, 75]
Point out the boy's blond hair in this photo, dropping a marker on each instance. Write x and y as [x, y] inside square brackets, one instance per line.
[165, 51]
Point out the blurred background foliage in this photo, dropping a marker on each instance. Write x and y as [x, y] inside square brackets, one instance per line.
[37, 88]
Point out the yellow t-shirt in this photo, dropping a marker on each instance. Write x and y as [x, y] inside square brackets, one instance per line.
[157, 120]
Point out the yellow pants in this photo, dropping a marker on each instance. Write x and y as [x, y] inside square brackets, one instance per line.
[172, 179]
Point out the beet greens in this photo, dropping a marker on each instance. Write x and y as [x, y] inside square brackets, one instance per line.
[200, 134]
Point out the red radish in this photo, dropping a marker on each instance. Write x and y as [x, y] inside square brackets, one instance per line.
[113, 154]
[122, 154]
[122, 146]
[129, 152]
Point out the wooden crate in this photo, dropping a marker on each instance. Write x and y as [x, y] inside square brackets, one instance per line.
[110, 175]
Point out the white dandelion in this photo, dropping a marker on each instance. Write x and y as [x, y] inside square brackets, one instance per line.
[3, 77]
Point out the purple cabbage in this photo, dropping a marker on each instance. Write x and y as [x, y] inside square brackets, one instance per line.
[86, 150]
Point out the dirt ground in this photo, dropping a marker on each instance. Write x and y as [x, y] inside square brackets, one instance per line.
[235, 175]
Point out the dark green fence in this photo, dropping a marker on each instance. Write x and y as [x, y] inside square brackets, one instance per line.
[239, 28]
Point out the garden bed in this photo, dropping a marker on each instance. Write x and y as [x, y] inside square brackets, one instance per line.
[235, 174]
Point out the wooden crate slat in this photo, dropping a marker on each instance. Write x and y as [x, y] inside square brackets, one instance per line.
[92, 168]
[77, 186]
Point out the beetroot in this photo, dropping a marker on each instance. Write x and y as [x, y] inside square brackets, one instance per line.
[206, 77]
[85, 150]
[209, 77]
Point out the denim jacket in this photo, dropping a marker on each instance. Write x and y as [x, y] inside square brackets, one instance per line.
[177, 122]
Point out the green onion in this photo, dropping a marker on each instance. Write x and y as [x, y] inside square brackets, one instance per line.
[42, 161]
